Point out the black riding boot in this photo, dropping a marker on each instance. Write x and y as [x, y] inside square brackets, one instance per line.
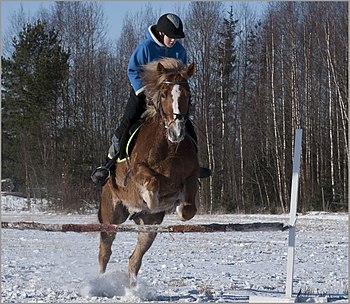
[101, 174]
[203, 172]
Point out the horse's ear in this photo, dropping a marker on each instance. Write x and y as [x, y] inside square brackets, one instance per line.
[160, 68]
[187, 73]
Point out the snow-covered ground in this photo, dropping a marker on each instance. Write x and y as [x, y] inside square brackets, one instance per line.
[38, 266]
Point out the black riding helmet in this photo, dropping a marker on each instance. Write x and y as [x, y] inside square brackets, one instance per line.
[171, 25]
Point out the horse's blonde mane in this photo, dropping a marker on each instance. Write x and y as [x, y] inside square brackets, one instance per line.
[153, 78]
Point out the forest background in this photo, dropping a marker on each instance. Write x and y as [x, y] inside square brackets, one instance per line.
[257, 79]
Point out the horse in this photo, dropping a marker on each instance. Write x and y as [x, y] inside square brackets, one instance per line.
[162, 171]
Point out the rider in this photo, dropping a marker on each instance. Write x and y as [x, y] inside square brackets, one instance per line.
[162, 41]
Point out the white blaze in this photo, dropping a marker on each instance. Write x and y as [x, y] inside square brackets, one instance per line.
[175, 128]
[176, 92]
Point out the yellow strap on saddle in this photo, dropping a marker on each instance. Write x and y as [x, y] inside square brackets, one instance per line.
[121, 160]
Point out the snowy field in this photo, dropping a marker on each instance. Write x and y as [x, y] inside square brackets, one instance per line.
[56, 267]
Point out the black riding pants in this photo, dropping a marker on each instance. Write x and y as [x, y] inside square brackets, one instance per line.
[135, 107]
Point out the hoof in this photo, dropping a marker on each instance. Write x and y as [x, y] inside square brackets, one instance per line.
[133, 281]
[185, 213]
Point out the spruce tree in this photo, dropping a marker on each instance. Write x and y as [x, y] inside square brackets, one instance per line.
[32, 83]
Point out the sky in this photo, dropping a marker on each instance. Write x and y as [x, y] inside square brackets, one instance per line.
[113, 10]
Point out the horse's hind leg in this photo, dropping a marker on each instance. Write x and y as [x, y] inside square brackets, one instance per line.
[144, 242]
[109, 213]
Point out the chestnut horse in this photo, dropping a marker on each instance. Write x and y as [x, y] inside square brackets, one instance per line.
[162, 171]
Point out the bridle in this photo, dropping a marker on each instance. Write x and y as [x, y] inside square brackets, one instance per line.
[178, 116]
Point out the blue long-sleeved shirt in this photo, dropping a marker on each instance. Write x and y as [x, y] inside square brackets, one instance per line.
[149, 50]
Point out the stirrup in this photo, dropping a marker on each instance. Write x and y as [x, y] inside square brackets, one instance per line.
[204, 172]
[100, 175]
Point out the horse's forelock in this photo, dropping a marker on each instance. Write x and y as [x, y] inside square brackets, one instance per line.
[153, 78]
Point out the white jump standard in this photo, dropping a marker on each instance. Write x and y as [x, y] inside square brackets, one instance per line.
[292, 228]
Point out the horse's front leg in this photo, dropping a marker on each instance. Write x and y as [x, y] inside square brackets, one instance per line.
[187, 209]
[144, 242]
[149, 185]
[110, 212]
[105, 249]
